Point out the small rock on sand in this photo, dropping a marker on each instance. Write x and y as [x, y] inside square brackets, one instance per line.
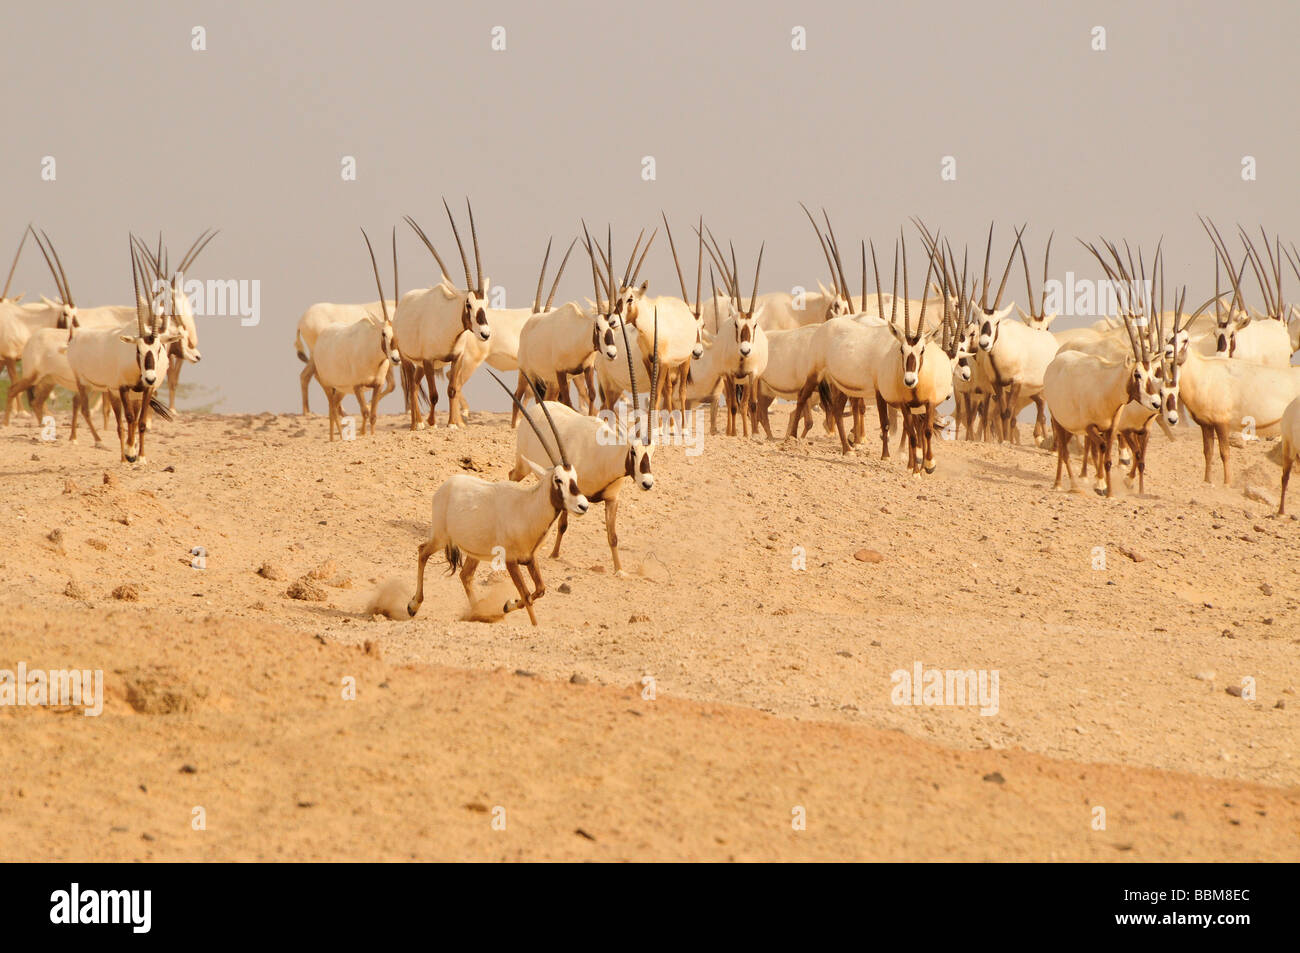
[305, 589]
[127, 592]
[868, 556]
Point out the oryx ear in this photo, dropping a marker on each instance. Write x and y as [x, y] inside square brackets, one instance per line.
[171, 337]
[999, 315]
[539, 472]
[644, 285]
[48, 303]
[126, 338]
[1027, 318]
[1048, 319]
[893, 329]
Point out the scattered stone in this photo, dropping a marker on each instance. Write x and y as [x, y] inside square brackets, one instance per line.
[55, 536]
[524, 673]
[127, 592]
[1131, 554]
[270, 571]
[169, 469]
[565, 588]
[597, 569]
[581, 833]
[638, 617]
[189, 769]
[1207, 676]
[1234, 691]
[109, 479]
[845, 653]
[306, 589]
[1266, 588]
[996, 777]
[1281, 703]
[476, 807]
[75, 590]
[69, 486]
[97, 544]
[469, 463]
[868, 556]
[576, 679]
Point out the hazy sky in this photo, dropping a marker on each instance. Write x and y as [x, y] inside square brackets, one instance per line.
[249, 136]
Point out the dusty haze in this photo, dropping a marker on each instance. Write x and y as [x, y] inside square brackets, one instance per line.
[249, 136]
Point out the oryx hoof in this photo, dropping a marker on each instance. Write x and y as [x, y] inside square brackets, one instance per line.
[412, 608]
[931, 466]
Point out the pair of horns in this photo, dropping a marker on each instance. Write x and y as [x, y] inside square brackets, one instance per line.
[699, 264]
[541, 278]
[540, 393]
[60, 276]
[1002, 286]
[471, 286]
[4, 295]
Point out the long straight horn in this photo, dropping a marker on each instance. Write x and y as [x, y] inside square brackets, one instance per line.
[636, 272]
[67, 288]
[699, 267]
[627, 272]
[200, 243]
[864, 273]
[541, 403]
[559, 445]
[631, 369]
[1257, 266]
[478, 261]
[135, 283]
[753, 298]
[609, 263]
[893, 290]
[925, 296]
[825, 251]
[839, 264]
[383, 303]
[988, 254]
[907, 326]
[556, 283]
[446, 276]
[719, 259]
[676, 264]
[541, 278]
[880, 297]
[9, 280]
[997, 302]
[464, 259]
[654, 371]
[397, 295]
[1047, 257]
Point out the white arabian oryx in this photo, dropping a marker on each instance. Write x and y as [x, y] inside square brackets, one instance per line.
[120, 363]
[430, 321]
[605, 457]
[320, 316]
[1017, 352]
[475, 519]
[351, 357]
[501, 351]
[562, 342]
[18, 323]
[744, 346]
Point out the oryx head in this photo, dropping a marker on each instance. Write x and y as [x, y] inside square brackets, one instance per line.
[473, 313]
[743, 321]
[606, 306]
[388, 350]
[153, 334]
[170, 292]
[561, 477]
[1168, 366]
[989, 316]
[911, 342]
[640, 435]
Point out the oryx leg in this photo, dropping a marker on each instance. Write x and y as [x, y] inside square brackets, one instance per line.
[764, 404]
[427, 549]
[611, 534]
[1221, 431]
[1207, 444]
[174, 362]
[304, 379]
[525, 597]
[882, 409]
[1040, 421]
[733, 402]
[432, 380]
[927, 423]
[375, 395]
[792, 429]
[1062, 454]
[1288, 457]
[559, 532]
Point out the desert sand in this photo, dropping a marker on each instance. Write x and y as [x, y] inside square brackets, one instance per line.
[735, 680]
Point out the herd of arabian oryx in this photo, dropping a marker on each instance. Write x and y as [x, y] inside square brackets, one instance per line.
[1226, 364]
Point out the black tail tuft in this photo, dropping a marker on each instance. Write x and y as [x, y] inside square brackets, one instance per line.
[455, 559]
[160, 409]
[824, 392]
[302, 355]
